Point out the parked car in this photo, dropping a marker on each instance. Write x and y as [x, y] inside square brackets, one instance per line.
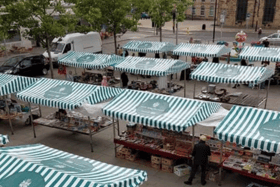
[144, 15]
[274, 38]
[25, 65]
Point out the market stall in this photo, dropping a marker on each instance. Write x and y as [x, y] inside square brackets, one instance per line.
[4, 139]
[152, 67]
[144, 47]
[37, 165]
[66, 95]
[157, 126]
[263, 54]
[91, 62]
[10, 84]
[223, 73]
[258, 130]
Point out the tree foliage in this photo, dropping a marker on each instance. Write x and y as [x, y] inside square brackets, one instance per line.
[42, 20]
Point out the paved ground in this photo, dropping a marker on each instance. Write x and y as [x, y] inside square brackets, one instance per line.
[103, 142]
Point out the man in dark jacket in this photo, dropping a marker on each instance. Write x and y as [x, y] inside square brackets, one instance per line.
[201, 151]
[124, 80]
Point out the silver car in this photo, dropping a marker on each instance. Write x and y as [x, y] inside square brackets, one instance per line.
[274, 39]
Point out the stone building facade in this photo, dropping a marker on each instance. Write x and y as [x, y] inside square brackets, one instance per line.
[257, 13]
[201, 9]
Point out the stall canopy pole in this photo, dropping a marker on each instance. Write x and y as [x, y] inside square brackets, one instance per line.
[193, 136]
[258, 96]
[31, 119]
[118, 126]
[228, 59]
[194, 89]
[214, 132]
[8, 112]
[221, 159]
[114, 134]
[90, 135]
[185, 83]
[40, 110]
[121, 79]
[267, 94]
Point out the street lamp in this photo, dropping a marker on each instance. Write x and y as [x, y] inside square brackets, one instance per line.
[214, 29]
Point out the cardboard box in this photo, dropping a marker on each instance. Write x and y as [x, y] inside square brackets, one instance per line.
[131, 157]
[182, 170]
[120, 155]
[156, 166]
[156, 159]
[166, 161]
[167, 168]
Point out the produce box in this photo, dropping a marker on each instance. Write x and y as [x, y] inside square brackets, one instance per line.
[156, 159]
[166, 161]
[182, 170]
[167, 168]
[156, 166]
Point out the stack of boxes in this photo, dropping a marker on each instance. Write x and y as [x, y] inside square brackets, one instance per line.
[167, 165]
[156, 162]
[126, 153]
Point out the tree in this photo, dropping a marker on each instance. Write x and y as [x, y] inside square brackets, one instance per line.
[161, 11]
[37, 17]
[113, 13]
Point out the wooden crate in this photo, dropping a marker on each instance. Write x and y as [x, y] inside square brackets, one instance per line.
[155, 159]
[167, 168]
[156, 166]
[166, 161]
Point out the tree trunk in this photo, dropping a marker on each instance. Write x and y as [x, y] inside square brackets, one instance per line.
[160, 34]
[115, 40]
[50, 58]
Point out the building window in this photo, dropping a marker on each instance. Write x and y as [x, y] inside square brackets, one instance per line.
[241, 10]
[193, 10]
[202, 11]
[211, 11]
[269, 11]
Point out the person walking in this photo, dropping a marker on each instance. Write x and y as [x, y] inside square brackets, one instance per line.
[69, 76]
[265, 43]
[259, 32]
[124, 79]
[200, 153]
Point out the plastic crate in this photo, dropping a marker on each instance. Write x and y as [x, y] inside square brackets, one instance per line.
[182, 170]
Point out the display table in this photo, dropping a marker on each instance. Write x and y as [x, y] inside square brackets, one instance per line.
[243, 99]
[75, 122]
[11, 116]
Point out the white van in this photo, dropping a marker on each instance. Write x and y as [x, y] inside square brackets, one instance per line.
[90, 42]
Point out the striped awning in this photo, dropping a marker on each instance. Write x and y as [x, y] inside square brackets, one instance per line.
[4, 139]
[12, 83]
[148, 46]
[39, 166]
[159, 111]
[251, 127]
[151, 66]
[200, 50]
[260, 54]
[65, 94]
[88, 60]
[225, 73]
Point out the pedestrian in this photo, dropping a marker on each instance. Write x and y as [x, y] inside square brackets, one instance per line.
[164, 56]
[104, 81]
[126, 53]
[157, 55]
[69, 76]
[242, 62]
[133, 54]
[124, 79]
[191, 40]
[259, 32]
[205, 59]
[265, 43]
[200, 153]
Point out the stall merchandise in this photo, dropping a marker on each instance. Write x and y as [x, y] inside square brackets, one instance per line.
[11, 84]
[4, 139]
[74, 121]
[39, 165]
[224, 73]
[66, 95]
[96, 78]
[256, 129]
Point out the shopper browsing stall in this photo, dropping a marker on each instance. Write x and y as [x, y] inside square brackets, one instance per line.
[200, 154]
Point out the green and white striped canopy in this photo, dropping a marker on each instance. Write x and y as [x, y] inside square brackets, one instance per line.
[260, 54]
[159, 111]
[151, 66]
[65, 94]
[251, 127]
[148, 46]
[4, 139]
[200, 50]
[225, 73]
[39, 166]
[88, 60]
[12, 83]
